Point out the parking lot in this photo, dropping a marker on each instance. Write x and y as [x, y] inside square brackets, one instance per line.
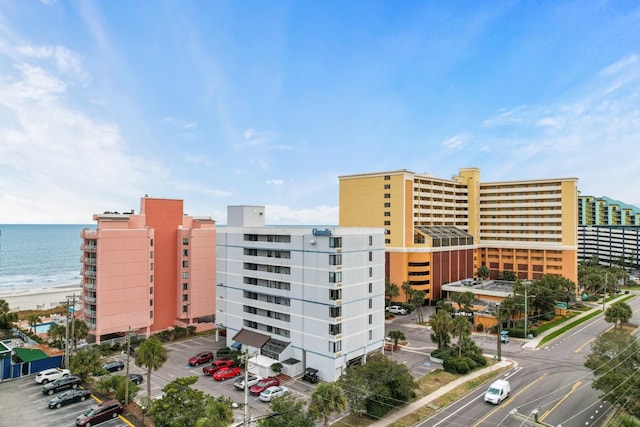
[24, 404]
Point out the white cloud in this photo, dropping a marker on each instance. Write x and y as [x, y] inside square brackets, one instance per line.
[456, 141]
[66, 61]
[59, 164]
[276, 182]
[253, 137]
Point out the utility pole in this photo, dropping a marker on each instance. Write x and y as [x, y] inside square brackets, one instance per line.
[498, 330]
[246, 388]
[69, 302]
[73, 320]
[126, 383]
[604, 295]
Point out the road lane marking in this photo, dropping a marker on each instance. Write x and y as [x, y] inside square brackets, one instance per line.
[546, 414]
[579, 349]
[509, 400]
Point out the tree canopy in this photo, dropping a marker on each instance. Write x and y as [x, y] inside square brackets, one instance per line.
[440, 323]
[614, 360]
[183, 406]
[286, 411]
[327, 399]
[376, 387]
[85, 362]
[151, 354]
[618, 312]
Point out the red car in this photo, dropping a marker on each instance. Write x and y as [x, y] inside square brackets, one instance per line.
[226, 373]
[199, 358]
[216, 365]
[264, 384]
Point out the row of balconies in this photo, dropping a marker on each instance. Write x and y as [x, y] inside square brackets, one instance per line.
[522, 188]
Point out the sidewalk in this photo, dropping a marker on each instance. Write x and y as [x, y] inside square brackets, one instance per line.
[533, 343]
[406, 410]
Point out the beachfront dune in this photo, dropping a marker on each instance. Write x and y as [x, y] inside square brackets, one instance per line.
[39, 298]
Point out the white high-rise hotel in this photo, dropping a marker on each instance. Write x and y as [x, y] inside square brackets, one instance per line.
[301, 296]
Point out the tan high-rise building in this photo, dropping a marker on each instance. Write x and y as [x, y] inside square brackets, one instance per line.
[442, 230]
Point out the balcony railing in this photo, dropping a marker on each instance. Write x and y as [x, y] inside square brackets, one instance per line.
[90, 313]
[89, 273]
[90, 261]
[90, 299]
[91, 248]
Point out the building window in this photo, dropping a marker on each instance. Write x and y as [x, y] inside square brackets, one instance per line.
[335, 242]
[370, 240]
[150, 314]
[387, 205]
[185, 274]
[335, 312]
[387, 241]
[387, 223]
[185, 252]
[335, 276]
[185, 286]
[387, 214]
[335, 346]
[335, 259]
[151, 266]
[185, 297]
[151, 244]
[370, 334]
[151, 290]
[335, 294]
[370, 287]
[387, 186]
[371, 319]
[387, 177]
[151, 254]
[370, 256]
[370, 303]
[151, 278]
[370, 271]
[185, 308]
[185, 240]
[185, 264]
[335, 329]
[151, 302]
[387, 195]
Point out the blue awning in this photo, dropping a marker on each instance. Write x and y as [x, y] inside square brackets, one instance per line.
[236, 345]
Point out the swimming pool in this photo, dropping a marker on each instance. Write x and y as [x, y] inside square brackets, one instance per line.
[43, 327]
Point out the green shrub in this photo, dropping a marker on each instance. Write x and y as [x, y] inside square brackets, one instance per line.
[457, 365]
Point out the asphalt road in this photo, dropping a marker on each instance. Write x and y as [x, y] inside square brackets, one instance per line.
[551, 380]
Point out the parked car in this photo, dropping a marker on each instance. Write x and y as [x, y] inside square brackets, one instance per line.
[251, 381]
[136, 378]
[113, 366]
[199, 358]
[217, 365]
[52, 374]
[226, 373]
[263, 384]
[71, 396]
[62, 383]
[396, 309]
[99, 413]
[272, 392]
[310, 375]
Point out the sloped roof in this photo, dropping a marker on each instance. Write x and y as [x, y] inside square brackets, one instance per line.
[250, 338]
[30, 354]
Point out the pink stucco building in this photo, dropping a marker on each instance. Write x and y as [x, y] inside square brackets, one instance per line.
[148, 271]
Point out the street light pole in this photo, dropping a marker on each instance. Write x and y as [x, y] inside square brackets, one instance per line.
[498, 330]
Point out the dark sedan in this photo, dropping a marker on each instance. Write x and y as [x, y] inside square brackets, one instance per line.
[136, 378]
[64, 383]
[71, 396]
[114, 366]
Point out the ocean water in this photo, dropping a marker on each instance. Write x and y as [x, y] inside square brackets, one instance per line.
[37, 255]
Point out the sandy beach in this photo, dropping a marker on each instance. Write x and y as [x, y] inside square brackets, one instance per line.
[39, 298]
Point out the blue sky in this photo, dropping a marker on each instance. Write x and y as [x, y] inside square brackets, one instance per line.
[268, 102]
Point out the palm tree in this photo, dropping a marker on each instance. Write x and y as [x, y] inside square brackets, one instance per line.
[395, 337]
[391, 291]
[460, 327]
[56, 332]
[327, 399]
[80, 331]
[4, 306]
[6, 318]
[406, 287]
[33, 320]
[618, 312]
[152, 355]
[417, 298]
[441, 327]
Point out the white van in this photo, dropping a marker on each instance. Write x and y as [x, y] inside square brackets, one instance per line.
[498, 391]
